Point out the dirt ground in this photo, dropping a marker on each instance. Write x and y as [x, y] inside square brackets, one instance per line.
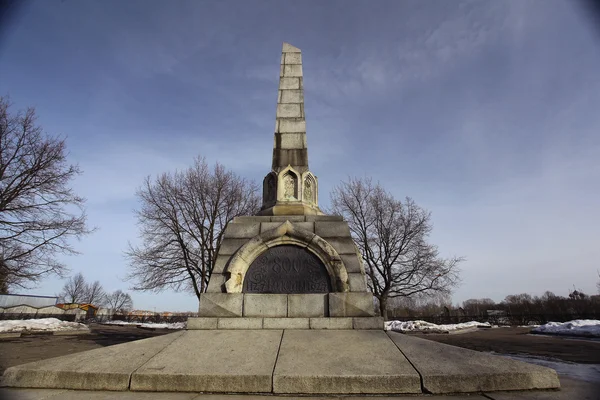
[15, 351]
[519, 341]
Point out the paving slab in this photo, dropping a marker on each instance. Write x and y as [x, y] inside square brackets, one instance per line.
[342, 361]
[570, 389]
[106, 368]
[213, 361]
[450, 369]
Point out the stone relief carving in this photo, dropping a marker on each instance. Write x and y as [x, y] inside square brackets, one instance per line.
[308, 190]
[289, 187]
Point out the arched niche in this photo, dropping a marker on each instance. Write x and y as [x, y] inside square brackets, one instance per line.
[309, 188]
[270, 188]
[287, 188]
[286, 234]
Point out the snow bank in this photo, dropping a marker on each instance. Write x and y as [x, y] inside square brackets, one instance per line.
[423, 326]
[41, 324]
[578, 327]
[154, 325]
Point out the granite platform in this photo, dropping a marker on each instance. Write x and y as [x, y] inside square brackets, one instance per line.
[284, 362]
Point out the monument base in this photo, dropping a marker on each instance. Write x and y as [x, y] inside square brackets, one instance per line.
[296, 362]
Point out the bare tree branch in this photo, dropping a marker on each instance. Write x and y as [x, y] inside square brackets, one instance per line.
[119, 301]
[39, 212]
[182, 218]
[392, 238]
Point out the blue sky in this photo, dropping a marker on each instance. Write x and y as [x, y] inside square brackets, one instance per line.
[484, 112]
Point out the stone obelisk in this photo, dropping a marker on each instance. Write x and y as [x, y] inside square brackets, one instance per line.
[290, 188]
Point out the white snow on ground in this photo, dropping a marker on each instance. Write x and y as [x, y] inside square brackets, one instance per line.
[41, 324]
[578, 327]
[155, 325]
[584, 372]
[423, 326]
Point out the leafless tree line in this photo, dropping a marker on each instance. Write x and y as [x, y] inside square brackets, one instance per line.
[77, 290]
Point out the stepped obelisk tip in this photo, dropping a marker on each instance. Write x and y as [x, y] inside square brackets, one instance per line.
[288, 48]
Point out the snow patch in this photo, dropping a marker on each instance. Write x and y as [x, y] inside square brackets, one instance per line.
[153, 325]
[423, 326]
[41, 324]
[578, 327]
[584, 372]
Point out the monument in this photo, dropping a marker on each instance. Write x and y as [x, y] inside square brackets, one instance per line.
[290, 266]
[287, 310]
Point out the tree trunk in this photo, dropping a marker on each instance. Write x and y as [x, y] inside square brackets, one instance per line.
[383, 307]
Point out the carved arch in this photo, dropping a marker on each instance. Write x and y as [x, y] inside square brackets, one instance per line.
[270, 188]
[286, 233]
[310, 188]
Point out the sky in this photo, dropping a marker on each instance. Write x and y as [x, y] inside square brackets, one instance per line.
[484, 112]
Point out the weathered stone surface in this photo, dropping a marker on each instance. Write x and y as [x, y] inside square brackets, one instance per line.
[194, 323]
[213, 361]
[293, 140]
[289, 83]
[216, 283]
[220, 304]
[288, 111]
[449, 369]
[107, 368]
[305, 226]
[307, 305]
[251, 218]
[293, 58]
[288, 48]
[285, 323]
[343, 245]
[330, 323]
[240, 323]
[292, 218]
[245, 230]
[357, 283]
[351, 263]
[328, 362]
[265, 305]
[332, 229]
[220, 264]
[292, 71]
[291, 96]
[230, 246]
[351, 304]
[290, 126]
[367, 323]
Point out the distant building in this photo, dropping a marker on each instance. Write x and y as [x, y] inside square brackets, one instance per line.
[12, 300]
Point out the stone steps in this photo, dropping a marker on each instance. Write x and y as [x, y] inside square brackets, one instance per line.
[360, 323]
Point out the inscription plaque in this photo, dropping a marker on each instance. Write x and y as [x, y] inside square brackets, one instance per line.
[287, 269]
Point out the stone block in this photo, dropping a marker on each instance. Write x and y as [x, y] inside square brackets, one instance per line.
[450, 369]
[240, 323]
[289, 83]
[265, 305]
[305, 226]
[288, 48]
[291, 218]
[343, 245]
[307, 305]
[241, 231]
[332, 229]
[357, 283]
[267, 226]
[291, 96]
[220, 304]
[291, 126]
[195, 323]
[329, 218]
[211, 361]
[342, 362]
[367, 323]
[230, 246]
[352, 263]
[220, 264]
[288, 111]
[351, 304]
[293, 58]
[247, 219]
[216, 283]
[293, 140]
[331, 323]
[285, 323]
[105, 368]
[291, 71]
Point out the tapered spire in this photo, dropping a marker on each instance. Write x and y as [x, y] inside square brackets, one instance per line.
[290, 188]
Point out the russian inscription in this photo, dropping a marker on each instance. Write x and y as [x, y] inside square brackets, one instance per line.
[287, 269]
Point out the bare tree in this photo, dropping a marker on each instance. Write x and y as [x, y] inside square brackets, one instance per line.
[392, 238]
[119, 301]
[39, 213]
[74, 291]
[182, 219]
[95, 294]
